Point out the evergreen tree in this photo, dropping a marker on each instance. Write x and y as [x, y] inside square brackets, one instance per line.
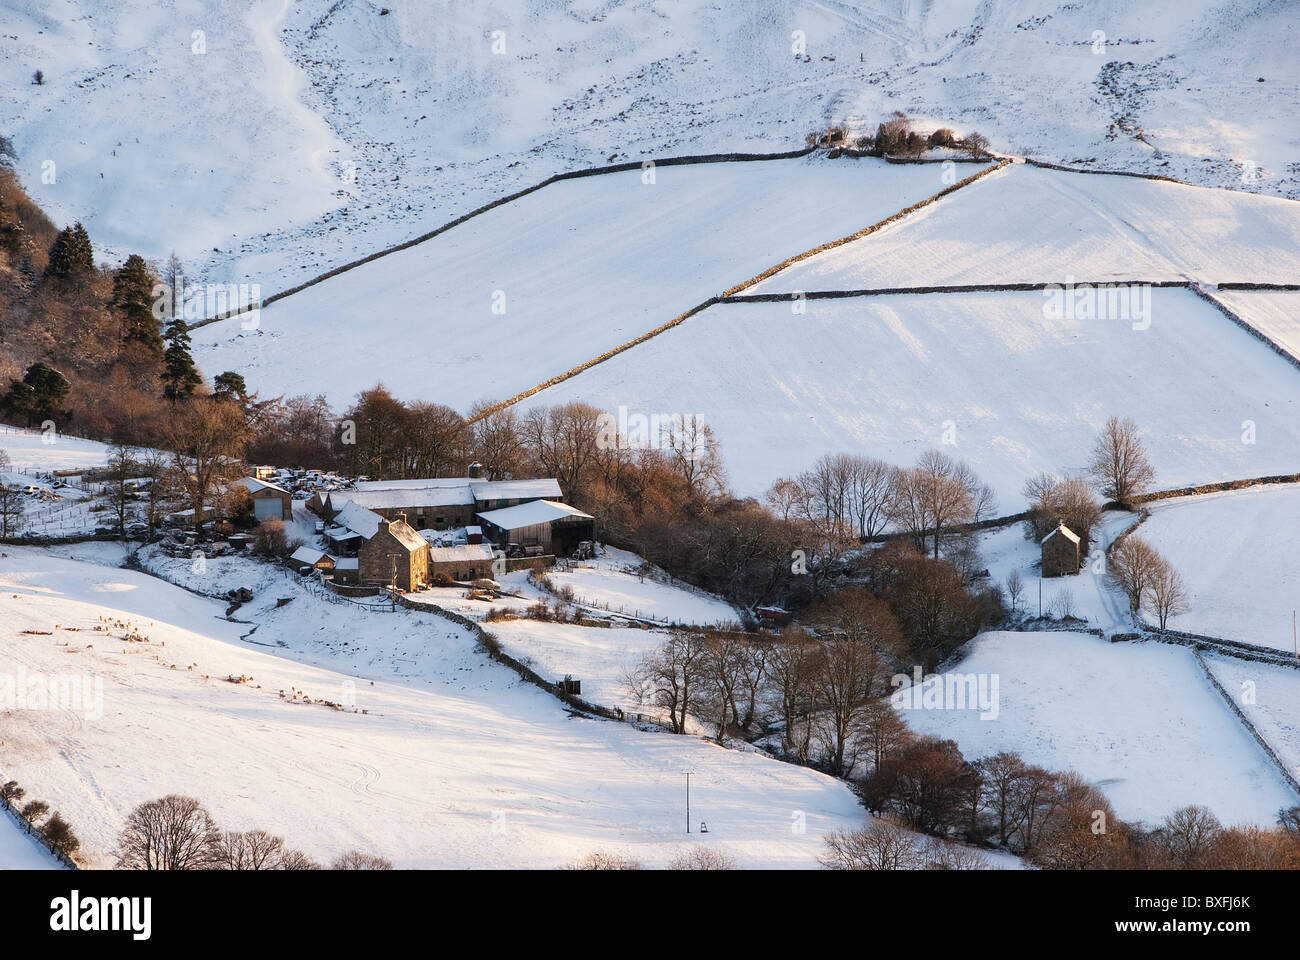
[180, 376]
[71, 253]
[133, 298]
[229, 386]
[38, 396]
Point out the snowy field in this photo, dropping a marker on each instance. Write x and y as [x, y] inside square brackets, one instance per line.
[535, 287]
[1024, 224]
[613, 582]
[386, 126]
[31, 451]
[1139, 720]
[19, 850]
[1268, 695]
[1276, 314]
[1239, 559]
[887, 376]
[445, 760]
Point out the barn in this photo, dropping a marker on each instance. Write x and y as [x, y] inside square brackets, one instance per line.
[270, 502]
[1060, 552]
[548, 526]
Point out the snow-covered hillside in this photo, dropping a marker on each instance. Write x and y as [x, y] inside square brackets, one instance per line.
[537, 286]
[306, 134]
[1017, 391]
[19, 850]
[1138, 720]
[1024, 224]
[1240, 563]
[437, 757]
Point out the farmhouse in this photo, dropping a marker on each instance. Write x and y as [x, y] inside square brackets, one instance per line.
[394, 550]
[1060, 552]
[546, 526]
[269, 500]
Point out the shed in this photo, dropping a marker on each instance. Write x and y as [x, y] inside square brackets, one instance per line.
[554, 527]
[1060, 552]
[270, 501]
[311, 557]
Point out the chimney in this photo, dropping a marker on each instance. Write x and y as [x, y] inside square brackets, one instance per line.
[475, 470]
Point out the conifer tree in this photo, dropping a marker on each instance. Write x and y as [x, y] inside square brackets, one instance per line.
[180, 376]
[71, 253]
[133, 298]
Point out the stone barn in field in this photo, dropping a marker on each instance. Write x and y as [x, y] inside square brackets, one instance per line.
[1060, 552]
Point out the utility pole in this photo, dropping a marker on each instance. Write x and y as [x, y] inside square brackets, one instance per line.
[688, 802]
[392, 589]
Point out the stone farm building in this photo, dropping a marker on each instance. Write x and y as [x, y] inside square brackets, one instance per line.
[381, 547]
[466, 561]
[436, 503]
[1060, 552]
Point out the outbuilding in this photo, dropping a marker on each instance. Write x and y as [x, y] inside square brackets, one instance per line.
[1060, 550]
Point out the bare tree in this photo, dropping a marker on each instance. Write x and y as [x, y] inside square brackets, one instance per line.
[173, 833]
[1015, 590]
[1119, 464]
[1188, 835]
[1133, 566]
[671, 676]
[117, 490]
[496, 440]
[251, 850]
[11, 510]
[1168, 593]
[562, 440]
[1053, 501]
[792, 667]
[604, 860]
[977, 144]
[208, 437]
[939, 496]
[702, 858]
[861, 640]
[881, 845]
[360, 860]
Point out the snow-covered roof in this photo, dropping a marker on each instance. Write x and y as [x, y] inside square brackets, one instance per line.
[461, 553]
[397, 497]
[406, 535]
[254, 485]
[308, 555]
[419, 483]
[346, 563]
[542, 489]
[358, 519]
[528, 514]
[1064, 531]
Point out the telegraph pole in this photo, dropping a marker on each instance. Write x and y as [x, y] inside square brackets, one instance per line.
[688, 802]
